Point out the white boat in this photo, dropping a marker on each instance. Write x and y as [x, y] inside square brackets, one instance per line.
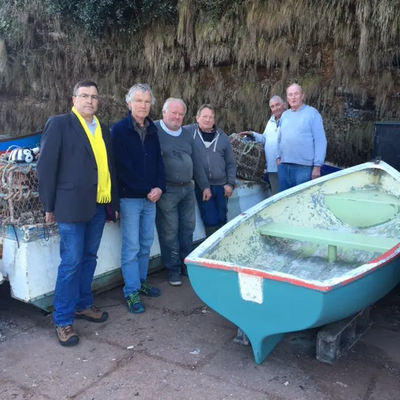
[31, 252]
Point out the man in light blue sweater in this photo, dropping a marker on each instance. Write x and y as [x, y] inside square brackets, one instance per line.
[301, 142]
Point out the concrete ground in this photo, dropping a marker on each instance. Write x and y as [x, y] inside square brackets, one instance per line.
[180, 349]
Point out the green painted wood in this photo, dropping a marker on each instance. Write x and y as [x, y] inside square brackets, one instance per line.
[332, 253]
[354, 207]
[333, 238]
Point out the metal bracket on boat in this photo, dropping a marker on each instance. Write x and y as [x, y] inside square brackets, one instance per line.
[336, 338]
[241, 338]
[377, 160]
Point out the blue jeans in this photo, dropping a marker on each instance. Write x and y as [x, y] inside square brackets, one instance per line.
[137, 229]
[176, 221]
[79, 243]
[214, 211]
[290, 175]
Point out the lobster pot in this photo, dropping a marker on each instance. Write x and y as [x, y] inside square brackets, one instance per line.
[19, 195]
[249, 158]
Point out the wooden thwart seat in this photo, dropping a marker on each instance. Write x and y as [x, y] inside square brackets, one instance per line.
[354, 207]
[333, 239]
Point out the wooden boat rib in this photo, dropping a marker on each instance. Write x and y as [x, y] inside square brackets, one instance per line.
[305, 257]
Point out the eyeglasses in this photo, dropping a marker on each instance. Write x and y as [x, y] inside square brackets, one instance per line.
[87, 96]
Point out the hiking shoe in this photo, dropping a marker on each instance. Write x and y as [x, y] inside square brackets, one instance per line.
[149, 290]
[184, 270]
[92, 314]
[175, 278]
[135, 306]
[66, 335]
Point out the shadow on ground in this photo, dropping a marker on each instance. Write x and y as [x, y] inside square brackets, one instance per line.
[180, 349]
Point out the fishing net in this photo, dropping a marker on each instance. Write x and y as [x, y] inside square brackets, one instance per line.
[19, 194]
[249, 158]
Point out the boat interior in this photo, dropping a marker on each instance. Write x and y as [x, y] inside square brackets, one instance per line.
[321, 232]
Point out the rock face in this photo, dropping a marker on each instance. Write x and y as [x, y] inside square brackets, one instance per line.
[3, 58]
[234, 54]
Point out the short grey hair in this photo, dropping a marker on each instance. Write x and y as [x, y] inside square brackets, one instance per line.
[273, 98]
[139, 87]
[171, 100]
[209, 106]
[295, 85]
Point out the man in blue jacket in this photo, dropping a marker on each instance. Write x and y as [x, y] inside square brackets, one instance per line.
[141, 181]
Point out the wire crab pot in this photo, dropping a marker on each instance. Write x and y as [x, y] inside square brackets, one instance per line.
[249, 157]
[19, 194]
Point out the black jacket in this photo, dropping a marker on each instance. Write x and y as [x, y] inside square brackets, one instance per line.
[139, 165]
[67, 170]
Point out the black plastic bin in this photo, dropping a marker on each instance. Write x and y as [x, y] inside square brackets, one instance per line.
[387, 142]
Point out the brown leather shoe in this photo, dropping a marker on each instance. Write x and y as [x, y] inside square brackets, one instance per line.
[66, 335]
[92, 314]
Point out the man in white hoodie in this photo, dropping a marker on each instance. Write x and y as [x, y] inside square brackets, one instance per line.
[269, 139]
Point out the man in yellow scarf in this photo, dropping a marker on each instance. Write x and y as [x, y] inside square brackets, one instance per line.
[77, 188]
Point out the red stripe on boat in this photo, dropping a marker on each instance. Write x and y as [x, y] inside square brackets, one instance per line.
[381, 261]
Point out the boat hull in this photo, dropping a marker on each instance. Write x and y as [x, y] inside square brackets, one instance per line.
[286, 307]
[272, 269]
[30, 141]
[31, 254]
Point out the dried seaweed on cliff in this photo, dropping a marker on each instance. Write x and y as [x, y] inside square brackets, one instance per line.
[234, 54]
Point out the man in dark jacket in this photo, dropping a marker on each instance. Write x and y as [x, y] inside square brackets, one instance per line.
[141, 181]
[215, 150]
[78, 190]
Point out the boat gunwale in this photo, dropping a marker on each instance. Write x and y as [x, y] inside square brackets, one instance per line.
[14, 138]
[323, 286]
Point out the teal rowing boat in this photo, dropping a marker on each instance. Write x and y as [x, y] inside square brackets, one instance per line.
[306, 257]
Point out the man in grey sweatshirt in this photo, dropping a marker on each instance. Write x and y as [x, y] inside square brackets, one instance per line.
[175, 218]
[215, 150]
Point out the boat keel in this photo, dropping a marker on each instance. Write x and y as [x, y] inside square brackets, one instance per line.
[263, 346]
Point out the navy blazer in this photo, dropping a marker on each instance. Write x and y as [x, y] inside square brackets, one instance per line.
[139, 166]
[67, 170]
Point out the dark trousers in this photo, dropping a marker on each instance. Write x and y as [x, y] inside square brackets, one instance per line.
[214, 211]
[176, 221]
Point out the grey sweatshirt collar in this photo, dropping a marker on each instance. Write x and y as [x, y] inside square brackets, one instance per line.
[207, 144]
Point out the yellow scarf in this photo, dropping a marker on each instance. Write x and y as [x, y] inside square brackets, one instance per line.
[100, 155]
